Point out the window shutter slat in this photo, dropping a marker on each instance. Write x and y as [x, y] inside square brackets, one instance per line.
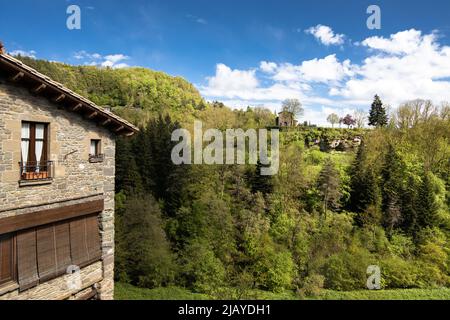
[62, 233]
[6, 259]
[78, 242]
[93, 238]
[46, 252]
[27, 260]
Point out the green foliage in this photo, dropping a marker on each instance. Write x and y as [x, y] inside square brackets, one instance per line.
[140, 93]
[346, 271]
[201, 270]
[143, 252]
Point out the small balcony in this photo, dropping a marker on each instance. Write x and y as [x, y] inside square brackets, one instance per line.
[96, 158]
[36, 172]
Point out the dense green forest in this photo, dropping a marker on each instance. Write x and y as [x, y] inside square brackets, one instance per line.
[226, 231]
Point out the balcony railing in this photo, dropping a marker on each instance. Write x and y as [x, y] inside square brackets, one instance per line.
[36, 171]
[96, 158]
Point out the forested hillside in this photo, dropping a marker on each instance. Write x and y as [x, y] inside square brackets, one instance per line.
[137, 94]
[227, 231]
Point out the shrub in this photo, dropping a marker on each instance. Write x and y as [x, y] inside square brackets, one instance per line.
[202, 271]
[313, 285]
[346, 271]
[275, 270]
[399, 273]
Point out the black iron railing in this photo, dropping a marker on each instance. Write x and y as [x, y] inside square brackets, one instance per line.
[30, 171]
[96, 158]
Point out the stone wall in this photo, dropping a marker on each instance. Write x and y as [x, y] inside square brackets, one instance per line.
[75, 178]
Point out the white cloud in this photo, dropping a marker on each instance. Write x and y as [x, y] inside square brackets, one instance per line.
[114, 61]
[323, 70]
[268, 67]
[403, 66]
[230, 83]
[409, 66]
[23, 53]
[404, 42]
[95, 59]
[326, 35]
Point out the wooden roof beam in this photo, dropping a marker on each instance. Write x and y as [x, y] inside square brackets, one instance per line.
[17, 77]
[106, 122]
[92, 115]
[39, 88]
[59, 98]
[119, 129]
[77, 107]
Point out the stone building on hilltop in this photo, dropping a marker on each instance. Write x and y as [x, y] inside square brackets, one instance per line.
[286, 119]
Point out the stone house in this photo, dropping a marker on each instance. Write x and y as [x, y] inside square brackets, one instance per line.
[57, 166]
[286, 119]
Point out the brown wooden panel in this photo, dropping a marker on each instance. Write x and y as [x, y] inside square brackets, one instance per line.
[78, 242]
[46, 252]
[93, 238]
[7, 259]
[63, 258]
[43, 217]
[27, 259]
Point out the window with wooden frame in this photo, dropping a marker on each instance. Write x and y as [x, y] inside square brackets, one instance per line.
[95, 151]
[34, 163]
[8, 265]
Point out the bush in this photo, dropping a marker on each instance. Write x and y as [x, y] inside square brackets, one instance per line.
[399, 273]
[347, 271]
[313, 285]
[202, 271]
[274, 271]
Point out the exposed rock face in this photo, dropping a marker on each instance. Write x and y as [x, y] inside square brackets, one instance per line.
[342, 145]
[74, 178]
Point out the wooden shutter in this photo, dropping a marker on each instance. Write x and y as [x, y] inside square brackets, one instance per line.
[93, 238]
[26, 259]
[7, 259]
[63, 258]
[85, 241]
[53, 250]
[78, 242]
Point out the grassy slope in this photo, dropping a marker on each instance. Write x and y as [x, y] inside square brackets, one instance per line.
[128, 292]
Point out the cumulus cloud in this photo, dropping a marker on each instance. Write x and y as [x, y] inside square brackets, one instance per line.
[404, 42]
[406, 66]
[326, 35]
[403, 66]
[324, 70]
[268, 67]
[23, 53]
[114, 61]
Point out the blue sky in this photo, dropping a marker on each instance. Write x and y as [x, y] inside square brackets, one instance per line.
[253, 52]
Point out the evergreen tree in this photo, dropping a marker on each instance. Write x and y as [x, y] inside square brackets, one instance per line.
[128, 178]
[161, 176]
[427, 209]
[378, 117]
[329, 186]
[143, 255]
[391, 174]
[364, 191]
[409, 207]
[261, 183]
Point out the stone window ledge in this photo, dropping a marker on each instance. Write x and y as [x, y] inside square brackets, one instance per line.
[26, 183]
